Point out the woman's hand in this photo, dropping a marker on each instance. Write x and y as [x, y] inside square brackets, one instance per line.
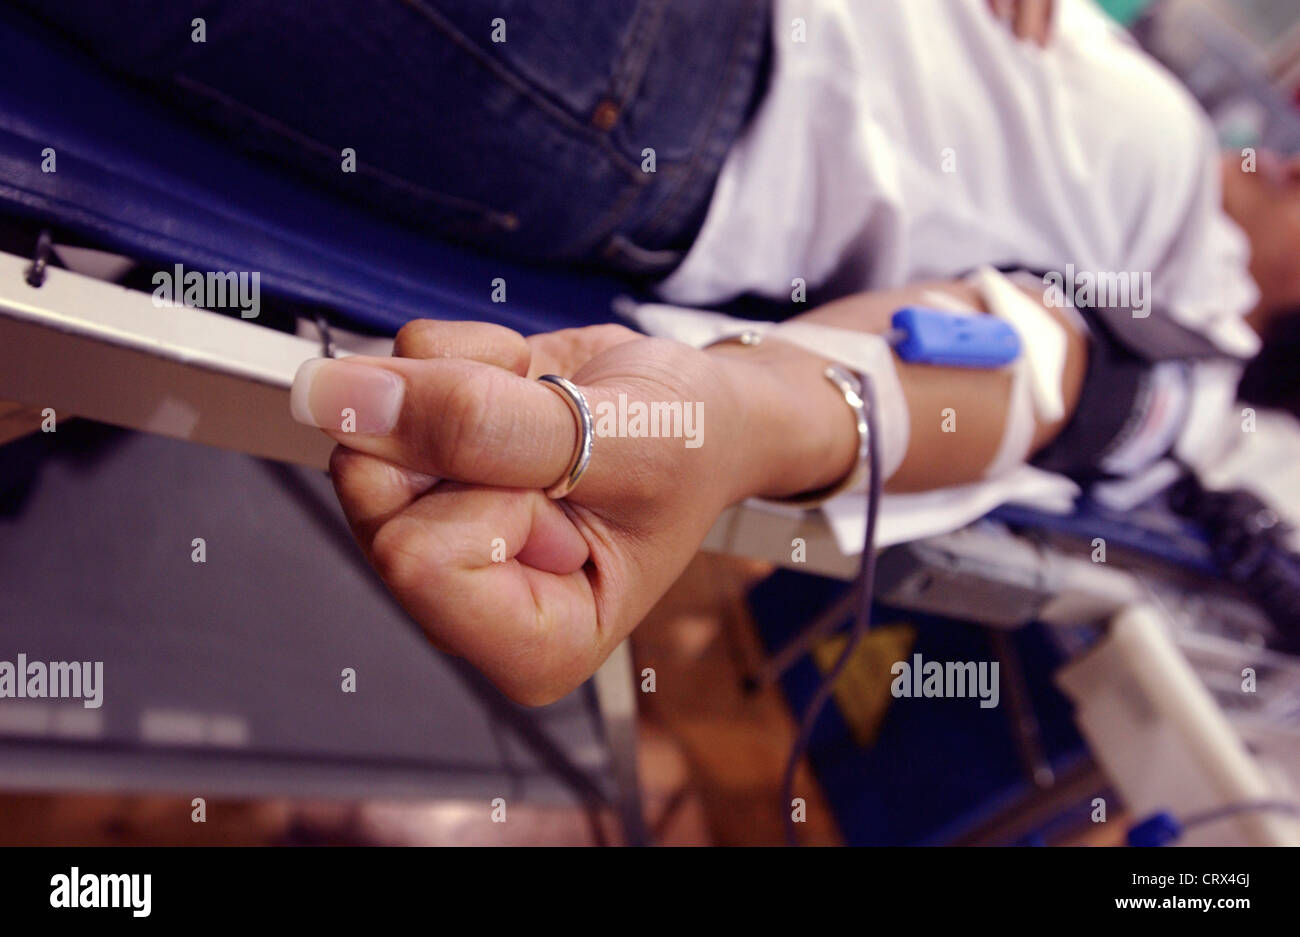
[1028, 19]
[441, 479]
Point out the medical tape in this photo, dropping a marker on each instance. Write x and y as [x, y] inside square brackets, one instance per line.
[864, 352]
[869, 354]
[1018, 431]
[1042, 339]
[1036, 376]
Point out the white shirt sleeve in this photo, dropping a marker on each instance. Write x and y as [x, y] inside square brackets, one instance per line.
[1204, 281]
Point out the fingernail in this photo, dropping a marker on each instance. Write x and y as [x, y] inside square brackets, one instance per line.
[346, 397]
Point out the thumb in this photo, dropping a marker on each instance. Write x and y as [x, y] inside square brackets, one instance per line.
[445, 417]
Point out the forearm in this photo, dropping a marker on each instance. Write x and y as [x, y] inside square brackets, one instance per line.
[799, 432]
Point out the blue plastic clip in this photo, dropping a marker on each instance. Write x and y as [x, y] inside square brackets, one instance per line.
[930, 336]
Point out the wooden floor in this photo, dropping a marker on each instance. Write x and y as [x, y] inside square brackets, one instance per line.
[711, 758]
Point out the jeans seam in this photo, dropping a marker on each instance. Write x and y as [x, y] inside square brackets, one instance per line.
[630, 71]
[497, 217]
[524, 87]
[606, 227]
[664, 213]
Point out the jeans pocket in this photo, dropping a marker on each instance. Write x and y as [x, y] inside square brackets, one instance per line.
[446, 213]
[578, 57]
[630, 258]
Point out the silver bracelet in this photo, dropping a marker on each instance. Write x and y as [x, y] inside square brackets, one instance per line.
[850, 385]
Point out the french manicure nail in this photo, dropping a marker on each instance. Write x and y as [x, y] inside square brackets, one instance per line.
[347, 397]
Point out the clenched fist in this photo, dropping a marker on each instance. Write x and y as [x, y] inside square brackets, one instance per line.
[445, 452]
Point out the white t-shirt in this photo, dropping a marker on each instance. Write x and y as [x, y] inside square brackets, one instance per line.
[904, 140]
[909, 140]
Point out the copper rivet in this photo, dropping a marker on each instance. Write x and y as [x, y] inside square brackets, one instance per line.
[606, 115]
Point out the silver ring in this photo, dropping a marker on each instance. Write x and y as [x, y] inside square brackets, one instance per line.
[582, 452]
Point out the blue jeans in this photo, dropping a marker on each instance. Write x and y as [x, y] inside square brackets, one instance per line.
[534, 147]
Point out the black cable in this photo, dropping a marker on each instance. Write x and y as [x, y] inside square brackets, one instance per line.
[864, 586]
[1250, 545]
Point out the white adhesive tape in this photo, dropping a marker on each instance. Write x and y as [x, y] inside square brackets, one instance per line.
[869, 354]
[1042, 339]
[1018, 431]
[864, 352]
